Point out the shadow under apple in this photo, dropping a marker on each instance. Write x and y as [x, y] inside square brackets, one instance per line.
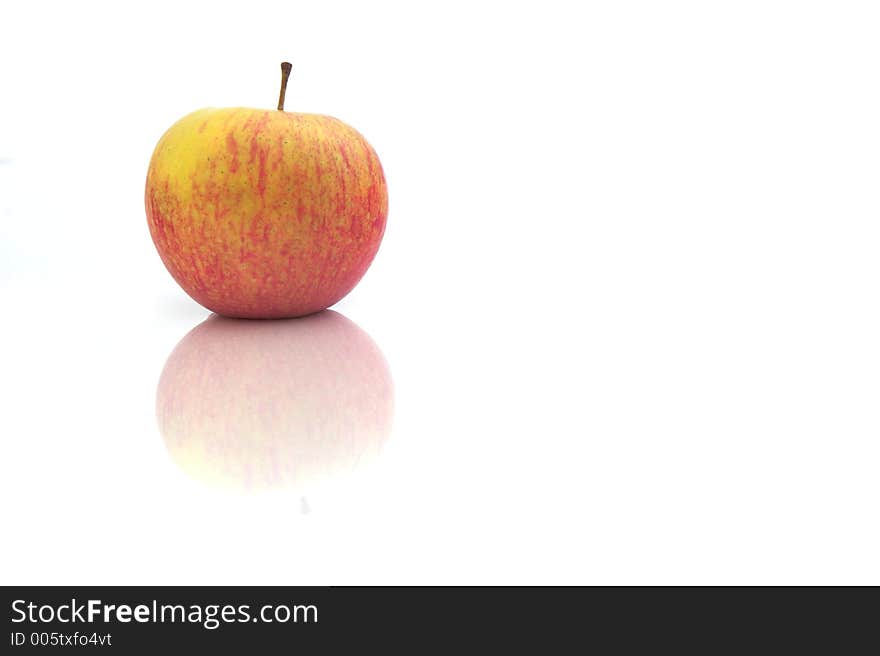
[265, 404]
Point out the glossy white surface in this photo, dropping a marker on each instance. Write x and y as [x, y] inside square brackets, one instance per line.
[628, 294]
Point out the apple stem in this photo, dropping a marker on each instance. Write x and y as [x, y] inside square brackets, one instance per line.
[285, 73]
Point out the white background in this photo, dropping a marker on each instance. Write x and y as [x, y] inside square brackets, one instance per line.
[629, 292]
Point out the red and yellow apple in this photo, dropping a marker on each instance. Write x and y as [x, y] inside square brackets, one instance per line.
[265, 213]
[289, 404]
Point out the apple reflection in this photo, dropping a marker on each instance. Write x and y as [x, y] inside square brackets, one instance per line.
[266, 404]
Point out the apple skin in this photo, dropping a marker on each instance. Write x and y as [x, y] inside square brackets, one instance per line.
[265, 214]
[280, 404]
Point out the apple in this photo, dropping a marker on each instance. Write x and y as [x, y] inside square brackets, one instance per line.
[257, 405]
[265, 213]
